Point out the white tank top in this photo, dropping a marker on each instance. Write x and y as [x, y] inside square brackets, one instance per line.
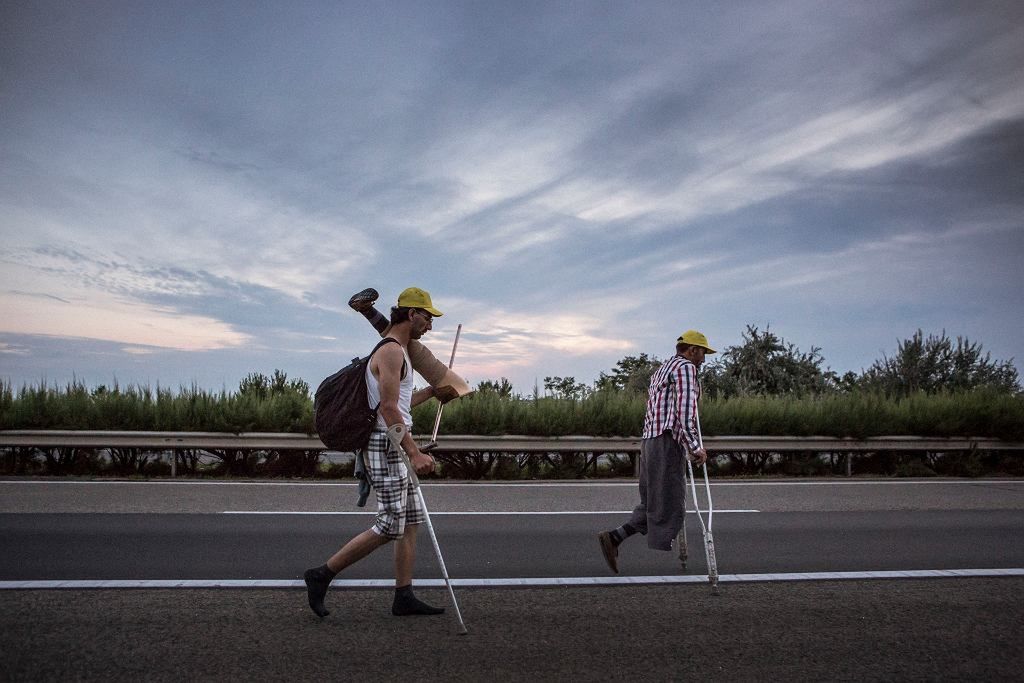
[404, 393]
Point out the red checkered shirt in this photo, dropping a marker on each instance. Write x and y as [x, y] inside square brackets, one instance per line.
[672, 403]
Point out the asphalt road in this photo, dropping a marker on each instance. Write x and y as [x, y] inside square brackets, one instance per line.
[218, 546]
[837, 630]
[185, 530]
[787, 495]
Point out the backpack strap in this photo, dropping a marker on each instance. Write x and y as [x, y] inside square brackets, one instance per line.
[384, 341]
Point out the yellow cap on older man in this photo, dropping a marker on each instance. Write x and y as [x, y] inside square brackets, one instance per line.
[695, 338]
[414, 297]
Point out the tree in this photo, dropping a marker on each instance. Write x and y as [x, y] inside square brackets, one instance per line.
[502, 388]
[631, 374]
[260, 386]
[766, 364]
[934, 364]
[565, 387]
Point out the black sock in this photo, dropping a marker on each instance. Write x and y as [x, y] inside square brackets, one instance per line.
[324, 572]
[318, 580]
[376, 318]
[406, 604]
[622, 533]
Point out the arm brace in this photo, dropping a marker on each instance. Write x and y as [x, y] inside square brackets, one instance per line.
[395, 435]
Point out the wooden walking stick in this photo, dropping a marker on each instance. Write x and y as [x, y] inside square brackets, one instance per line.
[440, 405]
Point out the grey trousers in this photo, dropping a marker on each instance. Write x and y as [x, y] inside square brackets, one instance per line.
[659, 515]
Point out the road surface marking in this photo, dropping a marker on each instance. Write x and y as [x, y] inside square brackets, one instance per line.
[530, 484]
[435, 514]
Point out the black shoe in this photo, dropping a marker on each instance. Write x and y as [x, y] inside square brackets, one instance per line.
[316, 590]
[609, 550]
[361, 301]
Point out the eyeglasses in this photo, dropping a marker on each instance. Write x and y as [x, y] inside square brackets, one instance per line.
[426, 315]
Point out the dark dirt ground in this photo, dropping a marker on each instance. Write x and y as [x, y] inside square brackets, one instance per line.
[935, 629]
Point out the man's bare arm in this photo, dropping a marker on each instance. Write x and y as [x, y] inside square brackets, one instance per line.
[423, 395]
[387, 366]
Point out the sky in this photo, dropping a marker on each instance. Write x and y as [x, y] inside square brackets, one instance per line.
[191, 191]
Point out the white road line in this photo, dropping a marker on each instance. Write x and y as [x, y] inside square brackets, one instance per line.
[434, 514]
[121, 482]
[881, 482]
[530, 484]
[514, 582]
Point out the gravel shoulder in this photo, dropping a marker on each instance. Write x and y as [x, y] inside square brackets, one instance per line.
[843, 630]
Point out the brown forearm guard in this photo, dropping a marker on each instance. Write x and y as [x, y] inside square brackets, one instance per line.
[424, 362]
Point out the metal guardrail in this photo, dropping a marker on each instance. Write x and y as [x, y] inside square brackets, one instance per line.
[494, 444]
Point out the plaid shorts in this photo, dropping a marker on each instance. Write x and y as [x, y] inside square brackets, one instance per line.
[397, 502]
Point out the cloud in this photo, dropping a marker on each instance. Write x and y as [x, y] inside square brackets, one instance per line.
[572, 185]
[12, 349]
[104, 302]
[497, 341]
[141, 191]
[137, 350]
[231, 311]
[40, 295]
[106, 318]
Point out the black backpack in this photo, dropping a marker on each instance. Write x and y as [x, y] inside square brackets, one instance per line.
[341, 413]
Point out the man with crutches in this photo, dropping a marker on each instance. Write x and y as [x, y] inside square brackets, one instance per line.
[390, 451]
[670, 432]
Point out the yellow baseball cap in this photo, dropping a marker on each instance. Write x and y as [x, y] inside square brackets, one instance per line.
[414, 297]
[695, 338]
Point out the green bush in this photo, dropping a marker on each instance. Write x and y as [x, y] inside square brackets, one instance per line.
[856, 414]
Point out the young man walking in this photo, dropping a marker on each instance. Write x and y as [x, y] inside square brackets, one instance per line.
[670, 432]
[389, 382]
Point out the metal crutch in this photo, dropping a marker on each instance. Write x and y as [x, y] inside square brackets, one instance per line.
[709, 541]
[433, 539]
[426, 515]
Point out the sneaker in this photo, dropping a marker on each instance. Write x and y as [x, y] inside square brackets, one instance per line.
[361, 301]
[609, 550]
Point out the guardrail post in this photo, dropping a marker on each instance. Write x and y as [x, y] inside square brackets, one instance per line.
[849, 464]
[174, 463]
